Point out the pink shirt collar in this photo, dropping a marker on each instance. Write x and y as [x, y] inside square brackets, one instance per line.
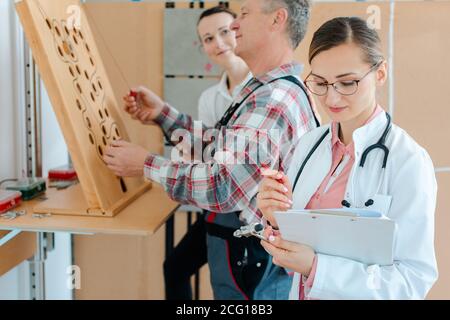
[335, 126]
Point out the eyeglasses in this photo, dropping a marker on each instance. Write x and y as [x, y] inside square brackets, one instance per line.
[345, 88]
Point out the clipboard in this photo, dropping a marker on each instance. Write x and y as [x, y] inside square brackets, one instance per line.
[365, 239]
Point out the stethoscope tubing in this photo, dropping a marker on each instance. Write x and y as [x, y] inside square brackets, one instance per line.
[381, 144]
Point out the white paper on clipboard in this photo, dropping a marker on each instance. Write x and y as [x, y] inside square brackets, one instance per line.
[367, 240]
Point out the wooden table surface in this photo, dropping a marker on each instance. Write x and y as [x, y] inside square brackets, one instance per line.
[142, 217]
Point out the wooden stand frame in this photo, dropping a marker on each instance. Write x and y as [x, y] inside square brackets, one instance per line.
[71, 67]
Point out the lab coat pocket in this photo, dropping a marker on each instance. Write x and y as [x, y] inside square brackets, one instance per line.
[381, 203]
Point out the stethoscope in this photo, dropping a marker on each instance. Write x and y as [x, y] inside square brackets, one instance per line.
[380, 144]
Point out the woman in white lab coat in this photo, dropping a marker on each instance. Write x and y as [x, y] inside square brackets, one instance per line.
[331, 169]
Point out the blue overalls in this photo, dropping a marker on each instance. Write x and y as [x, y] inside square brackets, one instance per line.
[240, 267]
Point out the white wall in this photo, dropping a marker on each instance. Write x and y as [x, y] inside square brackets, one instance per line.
[56, 266]
[15, 284]
[8, 165]
[54, 149]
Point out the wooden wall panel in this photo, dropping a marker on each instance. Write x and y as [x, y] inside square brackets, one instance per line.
[120, 267]
[421, 103]
[422, 66]
[137, 55]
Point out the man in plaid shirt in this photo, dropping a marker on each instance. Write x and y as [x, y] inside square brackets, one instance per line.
[272, 111]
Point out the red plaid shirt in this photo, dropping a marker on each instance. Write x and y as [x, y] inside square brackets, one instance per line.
[280, 106]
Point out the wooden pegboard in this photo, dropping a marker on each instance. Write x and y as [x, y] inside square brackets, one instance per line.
[69, 62]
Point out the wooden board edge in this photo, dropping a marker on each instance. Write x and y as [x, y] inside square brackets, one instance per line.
[125, 201]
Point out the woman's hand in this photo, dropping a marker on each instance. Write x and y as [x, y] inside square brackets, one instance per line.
[143, 105]
[289, 255]
[274, 194]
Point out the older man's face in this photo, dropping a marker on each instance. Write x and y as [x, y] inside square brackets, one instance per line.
[251, 27]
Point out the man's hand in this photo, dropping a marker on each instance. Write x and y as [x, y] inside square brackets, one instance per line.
[125, 159]
[143, 105]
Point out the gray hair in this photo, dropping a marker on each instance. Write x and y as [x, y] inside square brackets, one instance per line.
[298, 17]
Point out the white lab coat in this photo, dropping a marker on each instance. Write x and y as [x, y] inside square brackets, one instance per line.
[407, 195]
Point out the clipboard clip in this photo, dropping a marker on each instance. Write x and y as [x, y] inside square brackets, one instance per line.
[255, 229]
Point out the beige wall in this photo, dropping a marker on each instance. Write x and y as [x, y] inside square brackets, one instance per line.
[422, 98]
[131, 267]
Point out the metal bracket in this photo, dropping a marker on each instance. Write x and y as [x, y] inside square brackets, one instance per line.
[255, 229]
[41, 215]
[10, 215]
[50, 241]
[37, 269]
[45, 242]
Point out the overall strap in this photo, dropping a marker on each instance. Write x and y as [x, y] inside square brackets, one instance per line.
[298, 83]
[223, 122]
